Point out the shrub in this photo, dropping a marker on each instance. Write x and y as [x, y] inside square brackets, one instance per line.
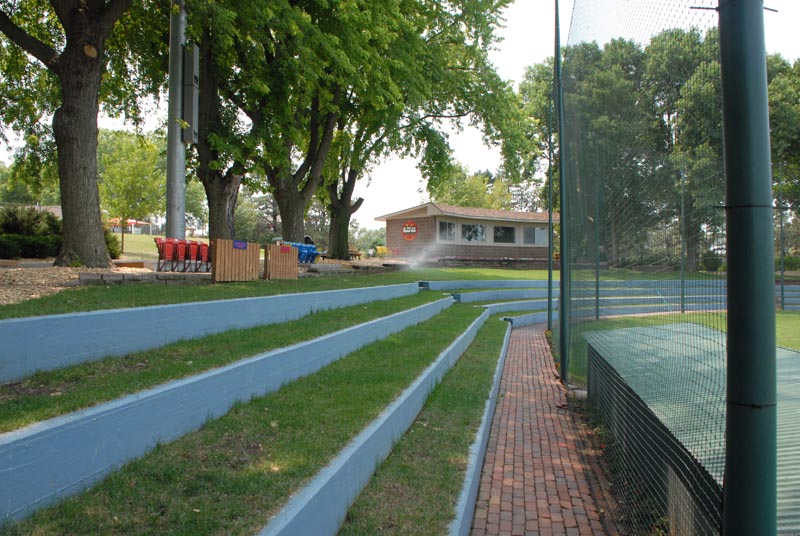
[52, 224]
[34, 247]
[21, 221]
[790, 263]
[112, 243]
[711, 261]
[9, 249]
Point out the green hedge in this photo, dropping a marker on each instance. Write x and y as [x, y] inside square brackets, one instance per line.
[790, 263]
[14, 246]
[9, 248]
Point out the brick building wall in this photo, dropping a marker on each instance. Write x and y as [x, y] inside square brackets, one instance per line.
[425, 247]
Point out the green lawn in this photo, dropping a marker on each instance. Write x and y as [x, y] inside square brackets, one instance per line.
[415, 490]
[91, 298]
[231, 475]
[48, 394]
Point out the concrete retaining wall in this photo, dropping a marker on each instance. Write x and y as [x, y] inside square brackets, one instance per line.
[490, 295]
[524, 305]
[321, 506]
[530, 319]
[51, 342]
[65, 455]
[493, 283]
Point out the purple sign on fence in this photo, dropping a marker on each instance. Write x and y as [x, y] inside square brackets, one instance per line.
[239, 244]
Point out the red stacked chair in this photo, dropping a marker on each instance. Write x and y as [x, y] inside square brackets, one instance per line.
[161, 257]
[204, 257]
[179, 262]
[193, 249]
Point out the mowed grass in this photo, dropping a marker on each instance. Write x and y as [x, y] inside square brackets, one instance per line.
[48, 394]
[231, 475]
[143, 246]
[788, 329]
[92, 298]
[417, 487]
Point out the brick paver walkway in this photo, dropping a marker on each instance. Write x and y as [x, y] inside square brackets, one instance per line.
[534, 480]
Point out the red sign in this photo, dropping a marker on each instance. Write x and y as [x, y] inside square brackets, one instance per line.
[409, 230]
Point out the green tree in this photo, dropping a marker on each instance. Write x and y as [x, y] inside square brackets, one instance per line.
[784, 118]
[366, 239]
[55, 61]
[481, 190]
[196, 206]
[437, 73]
[131, 175]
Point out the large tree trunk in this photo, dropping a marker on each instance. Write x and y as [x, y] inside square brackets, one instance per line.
[342, 209]
[222, 188]
[292, 206]
[222, 192]
[75, 130]
[294, 191]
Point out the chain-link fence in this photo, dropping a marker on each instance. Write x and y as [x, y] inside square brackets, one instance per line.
[645, 215]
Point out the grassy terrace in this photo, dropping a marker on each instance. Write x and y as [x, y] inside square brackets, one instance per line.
[415, 490]
[93, 298]
[48, 394]
[231, 475]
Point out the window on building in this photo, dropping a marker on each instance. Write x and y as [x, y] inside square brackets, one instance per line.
[447, 231]
[504, 235]
[473, 232]
[535, 235]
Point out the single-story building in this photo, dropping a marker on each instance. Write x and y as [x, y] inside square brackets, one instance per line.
[437, 232]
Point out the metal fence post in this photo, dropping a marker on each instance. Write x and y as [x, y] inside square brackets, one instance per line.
[750, 502]
[563, 310]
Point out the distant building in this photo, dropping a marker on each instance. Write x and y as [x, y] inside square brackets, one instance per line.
[447, 234]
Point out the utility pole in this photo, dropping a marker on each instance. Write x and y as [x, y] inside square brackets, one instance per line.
[176, 151]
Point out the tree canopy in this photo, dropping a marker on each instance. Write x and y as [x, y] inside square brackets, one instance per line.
[59, 60]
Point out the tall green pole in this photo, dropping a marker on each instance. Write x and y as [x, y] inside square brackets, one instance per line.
[563, 310]
[550, 213]
[782, 242]
[750, 464]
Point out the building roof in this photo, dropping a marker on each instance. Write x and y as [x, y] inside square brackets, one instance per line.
[469, 213]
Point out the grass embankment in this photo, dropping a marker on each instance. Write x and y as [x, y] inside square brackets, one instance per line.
[48, 394]
[142, 246]
[94, 298]
[416, 489]
[787, 331]
[231, 475]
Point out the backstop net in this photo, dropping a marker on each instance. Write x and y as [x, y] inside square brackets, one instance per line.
[643, 166]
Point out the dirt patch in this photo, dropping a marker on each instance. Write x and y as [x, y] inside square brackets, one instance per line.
[20, 284]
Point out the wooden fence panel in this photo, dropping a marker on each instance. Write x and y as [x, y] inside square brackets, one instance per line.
[281, 262]
[233, 260]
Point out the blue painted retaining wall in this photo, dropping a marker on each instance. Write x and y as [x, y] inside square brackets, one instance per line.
[489, 283]
[465, 508]
[321, 506]
[65, 455]
[531, 318]
[50, 342]
[489, 295]
[524, 305]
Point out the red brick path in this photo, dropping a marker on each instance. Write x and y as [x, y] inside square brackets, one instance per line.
[534, 481]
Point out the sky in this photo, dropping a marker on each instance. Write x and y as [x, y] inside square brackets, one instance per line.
[527, 39]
